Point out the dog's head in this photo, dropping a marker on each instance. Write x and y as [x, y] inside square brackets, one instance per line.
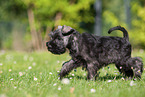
[136, 65]
[59, 39]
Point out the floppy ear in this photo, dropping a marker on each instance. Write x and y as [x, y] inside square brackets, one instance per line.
[66, 30]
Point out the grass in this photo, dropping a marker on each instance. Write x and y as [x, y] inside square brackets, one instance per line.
[36, 75]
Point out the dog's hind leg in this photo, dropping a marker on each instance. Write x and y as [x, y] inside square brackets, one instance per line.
[92, 71]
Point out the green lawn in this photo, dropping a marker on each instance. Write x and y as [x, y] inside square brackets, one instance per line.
[36, 75]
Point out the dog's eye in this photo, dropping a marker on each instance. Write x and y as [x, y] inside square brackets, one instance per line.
[50, 35]
[59, 38]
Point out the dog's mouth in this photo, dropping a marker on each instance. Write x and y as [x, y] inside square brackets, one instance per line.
[56, 50]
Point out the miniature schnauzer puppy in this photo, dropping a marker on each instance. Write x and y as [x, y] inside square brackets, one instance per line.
[93, 52]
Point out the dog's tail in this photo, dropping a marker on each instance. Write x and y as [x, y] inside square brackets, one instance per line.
[125, 33]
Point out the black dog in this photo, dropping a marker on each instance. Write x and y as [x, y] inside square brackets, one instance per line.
[90, 51]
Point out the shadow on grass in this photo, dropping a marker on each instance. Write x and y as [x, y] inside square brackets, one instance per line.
[100, 78]
[109, 77]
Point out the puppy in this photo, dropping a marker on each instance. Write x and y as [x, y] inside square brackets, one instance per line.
[89, 51]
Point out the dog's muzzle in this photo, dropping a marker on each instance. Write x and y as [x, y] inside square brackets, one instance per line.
[48, 45]
[55, 49]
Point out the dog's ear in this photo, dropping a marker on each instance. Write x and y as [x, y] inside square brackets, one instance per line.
[66, 30]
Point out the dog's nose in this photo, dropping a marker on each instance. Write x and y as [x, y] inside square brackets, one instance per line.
[48, 45]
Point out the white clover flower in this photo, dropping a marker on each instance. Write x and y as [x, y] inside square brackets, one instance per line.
[138, 71]
[29, 67]
[3, 95]
[132, 83]
[33, 63]
[65, 81]
[109, 81]
[25, 58]
[58, 71]
[1, 64]
[54, 84]
[122, 78]
[84, 74]
[10, 70]
[141, 51]
[35, 79]
[73, 74]
[15, 62]
[93, 90]
[50, 72]
[9, 57]
[11, 79]
[31, 59]
[20, 73]
[58, 61]
[59, 88]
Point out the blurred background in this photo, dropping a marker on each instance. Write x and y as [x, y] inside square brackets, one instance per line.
[25, 24]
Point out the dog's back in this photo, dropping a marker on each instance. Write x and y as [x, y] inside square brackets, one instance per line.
[108, 49]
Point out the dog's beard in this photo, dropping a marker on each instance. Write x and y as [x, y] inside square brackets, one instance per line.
[57, 50]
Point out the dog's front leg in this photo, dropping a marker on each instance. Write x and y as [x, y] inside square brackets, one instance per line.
[67, 67]
[92, 71]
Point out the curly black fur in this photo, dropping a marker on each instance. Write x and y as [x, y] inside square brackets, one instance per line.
[93, 52]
